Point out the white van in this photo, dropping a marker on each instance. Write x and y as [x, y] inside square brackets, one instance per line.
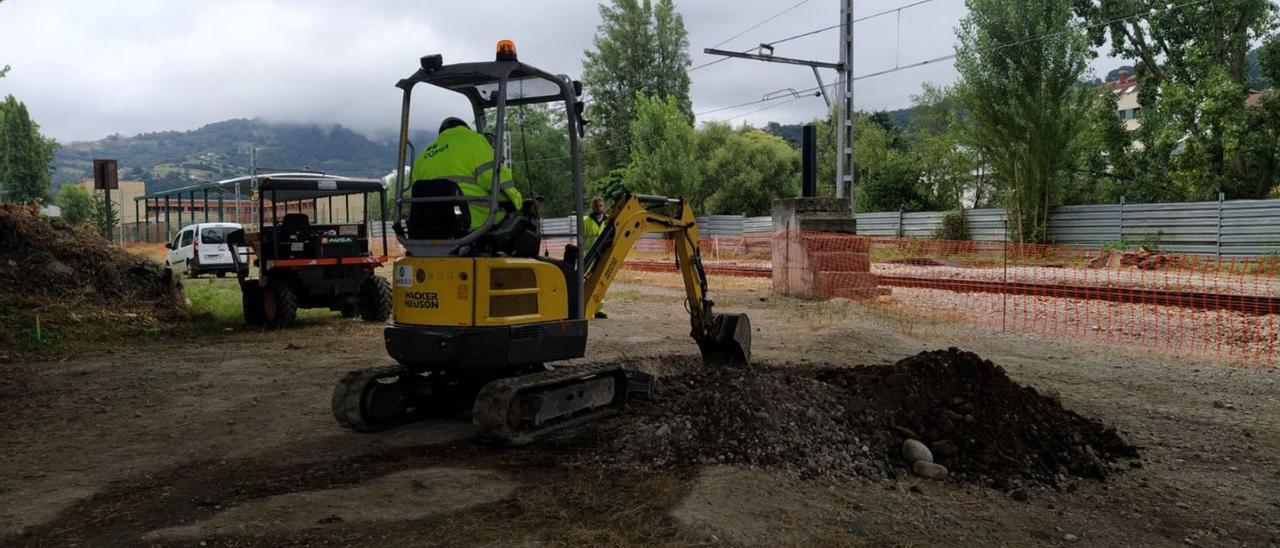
[202, 248]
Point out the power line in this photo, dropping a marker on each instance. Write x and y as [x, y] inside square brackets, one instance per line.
[806, 92]
[1031, 39]
[858, 20]
[758, 25]
[748, 29]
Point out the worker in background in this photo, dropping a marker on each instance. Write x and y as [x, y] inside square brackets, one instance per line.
[592, 226]
[465, 157]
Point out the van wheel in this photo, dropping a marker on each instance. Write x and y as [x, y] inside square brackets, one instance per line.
[280, 305]
[375, 299]
[222, 273]
[191, 272]
[251, 303]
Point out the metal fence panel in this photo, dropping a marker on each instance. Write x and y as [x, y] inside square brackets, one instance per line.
[1234, 228]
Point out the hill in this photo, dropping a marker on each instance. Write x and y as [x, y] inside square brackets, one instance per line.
[170, 159]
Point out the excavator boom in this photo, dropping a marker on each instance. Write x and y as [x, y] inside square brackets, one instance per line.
[724, 339]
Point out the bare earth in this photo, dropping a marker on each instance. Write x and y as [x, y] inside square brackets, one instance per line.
[229, 441]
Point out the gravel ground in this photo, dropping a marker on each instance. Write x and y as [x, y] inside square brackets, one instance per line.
[1242, 337]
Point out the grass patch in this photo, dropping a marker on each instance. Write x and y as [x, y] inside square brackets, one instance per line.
[67, 329]
[215, 302]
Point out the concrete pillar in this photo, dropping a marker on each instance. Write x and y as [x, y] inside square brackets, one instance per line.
[817, 252]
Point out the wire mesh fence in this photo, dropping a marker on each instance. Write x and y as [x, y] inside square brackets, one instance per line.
[1141, 298]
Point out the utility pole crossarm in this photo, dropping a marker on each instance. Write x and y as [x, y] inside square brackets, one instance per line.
[773, 59]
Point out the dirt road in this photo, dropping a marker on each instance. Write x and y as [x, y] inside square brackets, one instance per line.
[229, 441]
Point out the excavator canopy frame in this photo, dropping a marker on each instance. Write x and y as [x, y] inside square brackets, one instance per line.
[491, 85]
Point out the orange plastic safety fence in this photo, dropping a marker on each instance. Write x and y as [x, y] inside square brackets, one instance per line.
[1142, 299]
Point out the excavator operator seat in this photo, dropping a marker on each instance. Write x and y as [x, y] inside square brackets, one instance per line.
[438, 220]
[294, 227]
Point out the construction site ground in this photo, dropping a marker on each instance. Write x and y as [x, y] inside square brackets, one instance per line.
[227, 439]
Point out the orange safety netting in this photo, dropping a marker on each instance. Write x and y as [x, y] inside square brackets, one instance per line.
[1142, 299]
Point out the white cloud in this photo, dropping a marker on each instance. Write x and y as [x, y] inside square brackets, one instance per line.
[87, 69]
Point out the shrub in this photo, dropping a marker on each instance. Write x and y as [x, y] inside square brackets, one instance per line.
[953, 227]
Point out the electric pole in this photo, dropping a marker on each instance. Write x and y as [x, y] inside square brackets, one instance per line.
[845, 112]
[844, 88]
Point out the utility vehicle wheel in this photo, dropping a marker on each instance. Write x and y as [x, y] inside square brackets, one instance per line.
[375, 299]
[251, 303]
[280, 305]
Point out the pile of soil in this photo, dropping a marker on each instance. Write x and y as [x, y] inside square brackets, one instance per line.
[49, 263]
[851, 422]
[1142, 259]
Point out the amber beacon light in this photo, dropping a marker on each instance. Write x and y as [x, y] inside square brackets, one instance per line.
[506, 50]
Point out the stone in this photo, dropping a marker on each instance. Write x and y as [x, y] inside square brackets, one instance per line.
[60, 268]
[914, 450]
[1019, 495]
[1070, 537]
[929, 470]
[292, 346]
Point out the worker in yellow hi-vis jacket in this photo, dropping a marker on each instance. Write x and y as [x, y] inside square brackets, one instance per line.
[465, 157]
[592, 226]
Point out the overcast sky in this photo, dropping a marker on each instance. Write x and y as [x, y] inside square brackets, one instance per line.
[89, 68]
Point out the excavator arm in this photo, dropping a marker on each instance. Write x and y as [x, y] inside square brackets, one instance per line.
[724, 339]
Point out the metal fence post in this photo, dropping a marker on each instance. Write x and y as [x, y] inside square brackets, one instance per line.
[1120, 229]
[900, 231]
[1217, 241]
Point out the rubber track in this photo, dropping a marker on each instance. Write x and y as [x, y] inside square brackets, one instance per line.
[490, 412]
[347, 396]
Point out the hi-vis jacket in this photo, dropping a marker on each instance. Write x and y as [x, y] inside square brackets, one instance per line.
[465, 157]
[591, 230]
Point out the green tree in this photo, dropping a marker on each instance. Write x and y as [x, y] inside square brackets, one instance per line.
[540, 157]
[670, 74]
[25, 154]
[76, 203]
[105, 218]
[662, 151]
[743, 171]
[939, 138]
[1027, 101]
[886, 177]
[1106, 167]
[637, 51]
[1192, 61]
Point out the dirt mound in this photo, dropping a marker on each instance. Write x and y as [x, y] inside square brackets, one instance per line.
[51, 263]
[981, 425]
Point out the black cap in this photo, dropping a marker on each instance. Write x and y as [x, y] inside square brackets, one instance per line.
[452, 122]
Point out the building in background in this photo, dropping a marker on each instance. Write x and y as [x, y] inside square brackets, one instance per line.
[122, 197]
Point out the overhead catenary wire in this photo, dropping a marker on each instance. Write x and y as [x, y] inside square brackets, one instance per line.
[897, 10]
[804, 92]
[993, 49]
[749, 29]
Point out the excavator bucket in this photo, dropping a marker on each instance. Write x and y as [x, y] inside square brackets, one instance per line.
[729, 341]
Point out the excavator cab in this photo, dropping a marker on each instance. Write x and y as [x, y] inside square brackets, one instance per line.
[478, 317]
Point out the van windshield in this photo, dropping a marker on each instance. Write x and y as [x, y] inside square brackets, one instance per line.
[215, 235]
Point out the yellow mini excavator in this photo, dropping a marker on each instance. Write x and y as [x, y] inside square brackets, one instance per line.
[479, 316]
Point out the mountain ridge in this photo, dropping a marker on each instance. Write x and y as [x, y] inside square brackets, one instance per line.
[219, 150]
